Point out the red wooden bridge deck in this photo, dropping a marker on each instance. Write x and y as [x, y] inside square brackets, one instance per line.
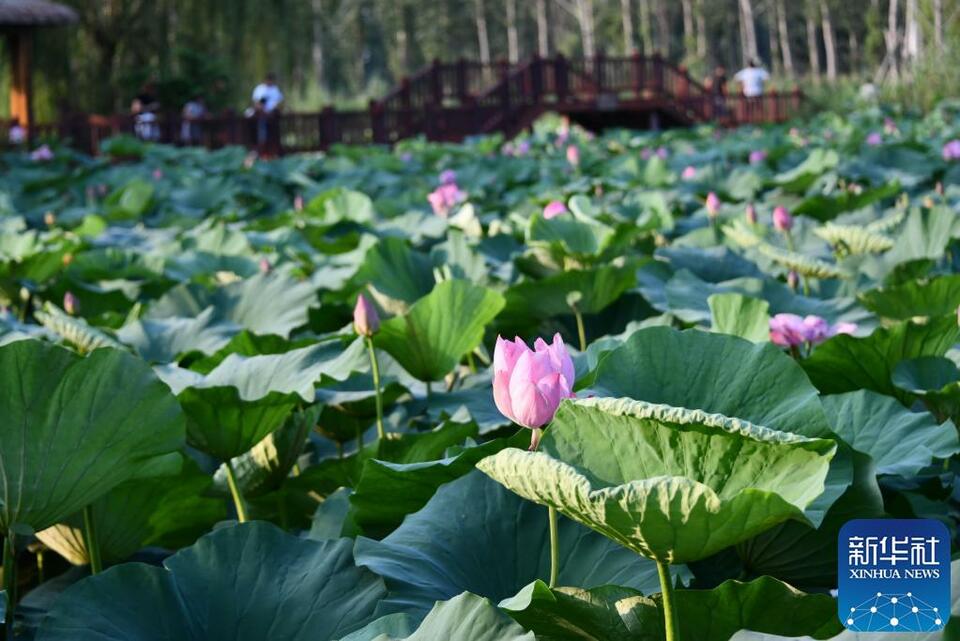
[450, 101]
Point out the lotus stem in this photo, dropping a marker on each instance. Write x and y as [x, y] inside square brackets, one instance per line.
[238, 503]
[92, 542]
[666, 591]
[581, 333]
[375, 370]
[10, 580]
[554, 546]
[41, 572]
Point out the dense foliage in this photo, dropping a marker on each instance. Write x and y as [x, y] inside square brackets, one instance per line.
[761, 327]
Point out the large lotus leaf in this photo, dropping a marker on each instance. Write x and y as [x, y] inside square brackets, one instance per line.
[74, 428]
[598, 288]
[472, 403]
[671, 484]
[271, 303]
[824, 208]
[130, 201]
[440, 328]
[802, 176]
[244, 399]
[938, 296]
[246, 582]
[474, 535]
[715, 373]
[575, 235]
[465, 617]
[340, 204]
[741, 316]
[397, 271]
[925, 234]
[141, 512]
[163, 340]
[900, 441]
[712, 264]
[399, 483]
[847, 363]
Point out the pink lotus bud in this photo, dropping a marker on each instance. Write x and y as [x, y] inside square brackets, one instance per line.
[71, 304]
[757, 156]
[265, 266]
[951, 150]
[49, 219]
[712, 204]
[782, 220]
[689, 172]
[874, 139]
[751, 214]
[43, 153]
[662, 153]
[102, 189]
[366, 321]
[298, 203]
[889, 125]
[528, 385]
[448, 177]
[646, 154]
[444, 198]
[553, 209]
[573, 155]
[793, 279]
[157, 174]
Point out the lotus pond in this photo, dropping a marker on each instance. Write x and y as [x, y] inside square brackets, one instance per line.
[284, 399]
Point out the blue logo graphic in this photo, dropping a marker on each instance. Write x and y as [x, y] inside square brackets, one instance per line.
[894, 575]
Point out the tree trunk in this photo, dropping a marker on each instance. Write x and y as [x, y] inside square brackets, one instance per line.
[938, 25]
[701, 21]
[813, 47]
[689, 37]
[749, 31]
[543, 29]
[772, 43]
[888, 67]
[911, 35]
[663, 28]
[784, 38]
[513, 41]
[483, 40]
[646, 29]
[829, 46]
[626, 19]
[585, 18]
[316, 49]
[853, 45]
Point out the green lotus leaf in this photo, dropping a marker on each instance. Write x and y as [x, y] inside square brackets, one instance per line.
[548, 297]
[938, 296]
[613, 612]
[847, 363]
[741, 316]
[219, 589]
[74, 428]
[573, 235]
[440, 328]
[926, 374]
[672, 484]
[823, 207]
[397, 271]
[146, 511]
[900, 441]
[475, 535]
[163, 340]
[130, 201]
[465, 617]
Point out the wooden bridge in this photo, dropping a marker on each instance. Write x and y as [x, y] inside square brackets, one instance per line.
[450, 101]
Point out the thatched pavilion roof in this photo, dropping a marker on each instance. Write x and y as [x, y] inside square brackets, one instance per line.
[35, 13]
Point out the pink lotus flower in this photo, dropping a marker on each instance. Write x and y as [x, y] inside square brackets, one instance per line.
[782, 220]
[793, 279]
[265, 266]
[712, 204]
[42, 153]
[71, 304]
[757, 156]
[298, 203]
[448, 177]
[646, 154]
[366, 321]
[874, 139]
[523, 148]
[790, 330]
[889, 125]
[528, 385]
[751, 214]
[573, 155]
[662, 152]
[951, 150]
[157, 174]
[689, 173]
[553, 209]
[444, 198]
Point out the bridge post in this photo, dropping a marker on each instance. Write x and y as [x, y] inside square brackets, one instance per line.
[639, 73]
[463, 84]
[683, 82]
[377, 122]
[536, 77]
[599, 67]
[328, 127]
[560, 78]
[405, 110]
[436, 82]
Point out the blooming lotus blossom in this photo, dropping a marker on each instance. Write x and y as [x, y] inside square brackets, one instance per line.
[757, 156]
[448, 177]
[689, 172]
[712, 204]
[951, 150]
[366, 321]
[444, 198]
[790, 330]
[874, 139]
[528, 385]
[573, 155]
[71, 304]
[782, 220]
[751, 214]
[553, 209]
[42, 153]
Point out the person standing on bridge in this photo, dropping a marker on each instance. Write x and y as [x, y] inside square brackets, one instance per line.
[752, 79]
[267, 101]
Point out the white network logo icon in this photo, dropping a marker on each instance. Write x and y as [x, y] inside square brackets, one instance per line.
[892, 613]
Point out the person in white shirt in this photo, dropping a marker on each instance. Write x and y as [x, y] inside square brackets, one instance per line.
[752, 78]
[267, 100]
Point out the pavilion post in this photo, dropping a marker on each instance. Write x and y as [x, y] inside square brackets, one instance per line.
[21, 89]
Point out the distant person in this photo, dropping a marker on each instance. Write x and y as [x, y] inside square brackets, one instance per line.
[193, 112]
[16, 134]
[752, 78]
[718, 87]
[144, 108]
[267, 101]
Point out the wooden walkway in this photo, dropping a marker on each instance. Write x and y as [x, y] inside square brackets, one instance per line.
[450, 101]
